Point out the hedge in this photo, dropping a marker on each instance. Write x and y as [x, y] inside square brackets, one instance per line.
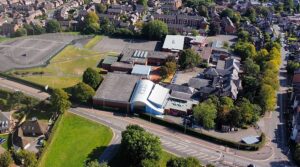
[207, 137]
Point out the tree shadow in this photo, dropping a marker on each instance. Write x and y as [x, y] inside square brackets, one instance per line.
[96, 153]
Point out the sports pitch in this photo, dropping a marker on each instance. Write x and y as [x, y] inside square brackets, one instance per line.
[33, 51]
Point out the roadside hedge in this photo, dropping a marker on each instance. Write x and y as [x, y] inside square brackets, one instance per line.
[207, 137]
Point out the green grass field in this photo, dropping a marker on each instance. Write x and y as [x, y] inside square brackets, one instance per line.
[5, 145]
[74, 141]
[93, 42]
[64, 70]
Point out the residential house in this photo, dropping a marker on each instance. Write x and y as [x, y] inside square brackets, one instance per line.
[34, 128]
[228, 26]
[5, 122]
[222, 81]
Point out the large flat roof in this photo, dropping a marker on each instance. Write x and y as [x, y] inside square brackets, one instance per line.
[174, 42]
[141, 69]
[116, 87]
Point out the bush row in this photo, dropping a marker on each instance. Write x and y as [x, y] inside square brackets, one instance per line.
[207, 137]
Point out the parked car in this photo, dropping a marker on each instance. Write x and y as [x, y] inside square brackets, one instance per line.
[2, 140]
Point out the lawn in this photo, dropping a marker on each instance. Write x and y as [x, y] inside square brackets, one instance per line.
[74, 141]
[93, 42]
[64, 70]
[117, 160]
[5, 145]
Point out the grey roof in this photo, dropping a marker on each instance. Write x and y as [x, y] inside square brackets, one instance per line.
[181, 95]
[141, 70]
[130, 55]
[180, 88]
[110, 60]
[199, 83]
[122, 65]
[211, 71]
[250, 139]
[133, 55]
[221, 64]
[116, 87]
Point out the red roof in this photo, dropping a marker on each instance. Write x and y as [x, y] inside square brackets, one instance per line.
[296, 78]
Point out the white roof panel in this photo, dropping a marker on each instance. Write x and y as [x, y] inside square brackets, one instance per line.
[158, 95]
[174, 42]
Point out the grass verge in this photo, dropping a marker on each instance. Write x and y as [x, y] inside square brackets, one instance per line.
[75, 140]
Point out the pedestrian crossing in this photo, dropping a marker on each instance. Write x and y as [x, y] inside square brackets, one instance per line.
[184, 148]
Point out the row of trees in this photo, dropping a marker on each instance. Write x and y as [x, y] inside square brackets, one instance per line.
[260, 81]
[52, 26]
[215, 112]
[22, 157]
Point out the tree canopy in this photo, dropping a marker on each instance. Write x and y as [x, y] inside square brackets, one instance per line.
[5, 159]
[188, 59]
[91, 23]
[82, 93]
[52, 26]
[155, 29]
[60, 101]
[28, 158]
[184, 162]
[138, 145]
[92, 78]
[206, 113]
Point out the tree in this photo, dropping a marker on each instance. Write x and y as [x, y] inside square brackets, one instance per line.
[82, 93]
[251, 14]
[235, 118]
[143, 2]
[195, 32]
[101, 8]
[15, 99]
[5, 159]
[27, 158]
[244, 36]
[268, 97]
[163, 71]
[297, 154]
[251, 68]
[292, 66]
[138, 145]
[245, 50]
[155, 29]
[91, 23]
[171, 66]
[183, 162]
[227, 13]
[249, 112]
[214, 28]
[52, 26]
[92, 78]
[150, 163]
[224, 110]
[20, 32]
[189, 59]
[206, 114]
[59, 100]
[202, 10]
